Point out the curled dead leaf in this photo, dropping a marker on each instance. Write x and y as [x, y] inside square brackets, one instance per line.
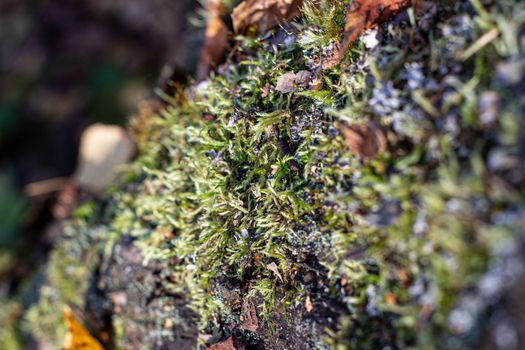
[273, 267]
[303, 78]
[262, 15]
[362, 15]
[365, 140]
[215, 39]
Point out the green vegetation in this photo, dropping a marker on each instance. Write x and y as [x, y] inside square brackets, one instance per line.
[235, 178]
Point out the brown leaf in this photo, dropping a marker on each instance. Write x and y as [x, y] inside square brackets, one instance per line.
[362, 15]
[364, 140]
[303, 78]
[228, 344]
[215, 39]
[262, 15]
[249, 319]
[331, 57]
[285, 83]
[289, 81]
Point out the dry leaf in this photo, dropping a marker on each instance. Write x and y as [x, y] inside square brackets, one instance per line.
[215, 39]
[103, 148]
[303, 78]
[365, 140]
[331, 56]
[77, 337]
[362, 15]
[285, 83]
[262, 15]
[228, 344]
[289, 81]
[273, 267]
[308, 304]
[249, 320]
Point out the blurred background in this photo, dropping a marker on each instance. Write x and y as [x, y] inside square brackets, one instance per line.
[65, 65]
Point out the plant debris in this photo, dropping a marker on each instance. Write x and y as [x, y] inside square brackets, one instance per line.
[228, 344]
[215, 39]
[273, 267]
[261, 15]
[77, 337]
[289, 82]
[365, 140]
[249, 320]
[308, 304]
[362, 15]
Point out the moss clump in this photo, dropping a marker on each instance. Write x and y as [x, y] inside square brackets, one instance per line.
[249, 193]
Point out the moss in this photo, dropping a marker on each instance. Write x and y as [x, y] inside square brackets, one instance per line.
[68, 276]
[241, 187]
[9, 332]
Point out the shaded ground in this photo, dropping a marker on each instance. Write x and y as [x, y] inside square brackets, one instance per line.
[63, 66]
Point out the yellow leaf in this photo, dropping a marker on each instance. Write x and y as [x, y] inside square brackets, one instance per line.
[77, 337]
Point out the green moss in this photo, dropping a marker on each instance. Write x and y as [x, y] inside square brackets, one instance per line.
[9, 332]
[245, 178]
[262, 180]
[67, 278]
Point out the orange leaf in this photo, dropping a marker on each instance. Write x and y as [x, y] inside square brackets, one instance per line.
[364, 140]
[77, 337]
[262, 15]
